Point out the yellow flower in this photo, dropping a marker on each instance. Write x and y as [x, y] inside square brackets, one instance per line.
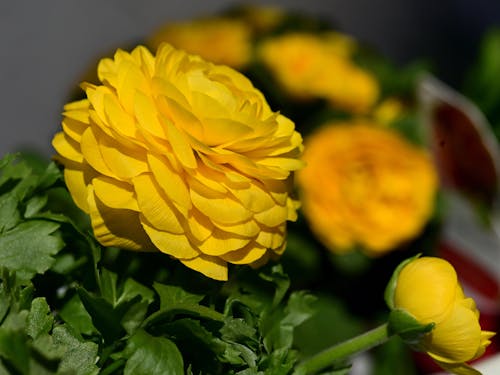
[318, 66]
[260, 18]
[218, 40]
[427, 288]
[179, 155]
[388, 111]
[365, 185]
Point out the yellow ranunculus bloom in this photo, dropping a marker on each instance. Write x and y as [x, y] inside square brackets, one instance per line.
[218, 40]
[176, 154]
[427, 288]
[319, 66]
[365, 185]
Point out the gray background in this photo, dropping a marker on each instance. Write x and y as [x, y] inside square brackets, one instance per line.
[46, 46]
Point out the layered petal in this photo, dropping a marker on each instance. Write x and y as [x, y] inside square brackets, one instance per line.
[175, 154]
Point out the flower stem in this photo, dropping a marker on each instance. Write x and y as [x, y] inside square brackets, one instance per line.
[344, 350]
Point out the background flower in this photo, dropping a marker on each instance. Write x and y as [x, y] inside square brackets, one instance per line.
[427, 288]
[218, 39]
[318, 66]
[179, 155]
[365, 185]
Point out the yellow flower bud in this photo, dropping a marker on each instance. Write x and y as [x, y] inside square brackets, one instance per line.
[427, 289]
[176, 154]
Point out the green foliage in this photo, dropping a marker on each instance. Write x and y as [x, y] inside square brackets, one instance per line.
[480, 82]
[68, 306]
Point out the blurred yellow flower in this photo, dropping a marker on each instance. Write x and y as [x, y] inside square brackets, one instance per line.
[261, 18]
[318, 66]
[218, 40]
[365, 185]
[177, 154]
[388, 111]
[427, 288]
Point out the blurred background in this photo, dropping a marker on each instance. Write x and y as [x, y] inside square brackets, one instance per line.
[47, 46]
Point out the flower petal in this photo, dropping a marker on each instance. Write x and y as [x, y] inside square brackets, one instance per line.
[176, 245]
[67, 147]
[77, 179]
[147, 115]
[458, 368]
[213, 267]
[249, 254]
[435, 297]
[171, 182]
[180, 144]
[74, 128]
[221, 242]
[118, 228]
[114, 193]
[155, 206]
[217, 206]
[273, 216]
[455, 339]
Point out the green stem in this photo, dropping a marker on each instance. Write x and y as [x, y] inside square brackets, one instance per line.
[344, 350]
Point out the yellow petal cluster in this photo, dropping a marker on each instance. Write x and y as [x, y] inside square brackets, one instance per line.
[365, 185]
[176, 154]
[427, 288]
[219, 40]
[319, 66]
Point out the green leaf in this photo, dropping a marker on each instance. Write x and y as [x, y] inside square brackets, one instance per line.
[34, 205]
[105, 318]
[152, 355]
[200, 346]
[135, 316]
[175, 300]
[4, 301]
[6, 160]
[237, 330]
[75, 315]
[11, 169]
[298, 308]
[9, 215]
[132, 288]
[15, 320]
[45, 346]
[29, 247]
[276, 276]
[66, 263]
[277, 327]
[171, 296]
[108, 286]
[14, 348]
[39, 320]
[50, 176]
[80, 357]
